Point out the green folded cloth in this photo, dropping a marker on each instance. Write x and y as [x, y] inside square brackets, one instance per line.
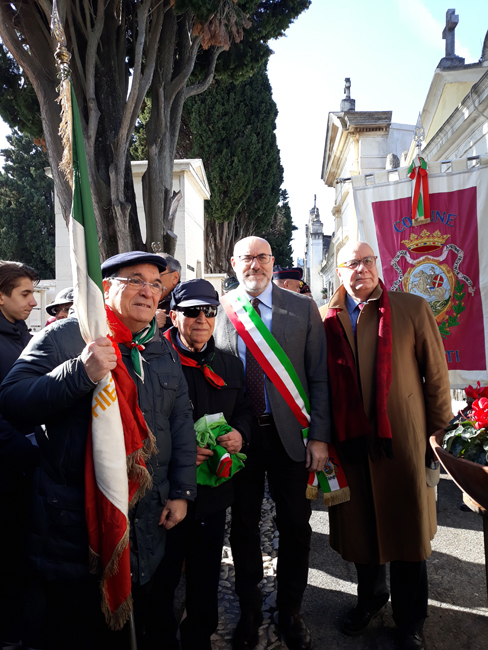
[221, 466]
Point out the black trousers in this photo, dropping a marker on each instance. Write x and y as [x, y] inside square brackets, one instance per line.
[409, 591]
[75, 619]
[22, 602]
[287, 480]
[199, 543]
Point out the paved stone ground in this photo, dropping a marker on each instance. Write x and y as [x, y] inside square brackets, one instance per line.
[458, 590]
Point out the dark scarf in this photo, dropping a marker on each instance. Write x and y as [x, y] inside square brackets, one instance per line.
[350, 420]
[197, 359]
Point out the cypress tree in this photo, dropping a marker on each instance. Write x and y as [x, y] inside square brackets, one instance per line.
[27, 205]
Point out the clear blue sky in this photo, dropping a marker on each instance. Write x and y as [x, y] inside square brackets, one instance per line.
[389, 49]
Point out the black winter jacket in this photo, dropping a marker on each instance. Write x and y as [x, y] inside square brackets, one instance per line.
[231, 400]
[18, 457]
[49, 384]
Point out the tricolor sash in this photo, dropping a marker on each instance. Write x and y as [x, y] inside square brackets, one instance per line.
[280, 371]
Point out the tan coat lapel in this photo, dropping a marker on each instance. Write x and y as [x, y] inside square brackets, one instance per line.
[338, 301]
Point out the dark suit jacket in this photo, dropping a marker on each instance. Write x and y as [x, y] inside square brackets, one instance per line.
[297, 326]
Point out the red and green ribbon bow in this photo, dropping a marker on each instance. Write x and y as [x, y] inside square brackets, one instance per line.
[420, 197]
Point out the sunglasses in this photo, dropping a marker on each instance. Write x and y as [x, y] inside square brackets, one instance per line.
[209, 311]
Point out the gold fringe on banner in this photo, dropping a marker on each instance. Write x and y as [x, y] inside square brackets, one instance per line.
[63, 57]
[312, 492]
[65, 130]
[337, 496]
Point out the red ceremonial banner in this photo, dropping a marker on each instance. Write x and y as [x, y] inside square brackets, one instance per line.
[439, 261]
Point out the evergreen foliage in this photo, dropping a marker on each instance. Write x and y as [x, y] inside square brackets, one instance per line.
[232, 128]
[19, 107]
[123, 53]
[281, 232]
[26, 206]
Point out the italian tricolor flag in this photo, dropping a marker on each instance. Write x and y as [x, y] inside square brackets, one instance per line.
[280, 371]
[106, 481]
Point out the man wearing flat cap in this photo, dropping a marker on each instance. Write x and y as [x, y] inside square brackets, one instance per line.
[287, 278]
[52, 383]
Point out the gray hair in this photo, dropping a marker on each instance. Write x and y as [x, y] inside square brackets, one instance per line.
[172, 264]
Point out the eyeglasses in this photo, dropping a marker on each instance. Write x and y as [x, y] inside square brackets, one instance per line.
[62, 308]
[368, 262]
[262, 258]
[209, 311]
[138, 284]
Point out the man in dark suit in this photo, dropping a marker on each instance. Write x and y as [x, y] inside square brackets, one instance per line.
[277, 446]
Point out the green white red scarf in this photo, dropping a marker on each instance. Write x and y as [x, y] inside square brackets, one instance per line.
[135, 342]
[280, 371]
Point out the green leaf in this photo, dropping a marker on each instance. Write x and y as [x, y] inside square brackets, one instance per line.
[469, 433]
[450, 437]
[473, 451]
[457, 447]
[458, 309]
[452, 321]
[444, 332]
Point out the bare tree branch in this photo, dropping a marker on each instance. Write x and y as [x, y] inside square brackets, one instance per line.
[90, 66]
[9, 37]
[142, 12]
[180, 80]
[201, 87]
[74, 47]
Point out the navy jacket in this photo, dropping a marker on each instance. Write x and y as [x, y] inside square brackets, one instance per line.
[49, 385]
[231, 400]
[18, 457]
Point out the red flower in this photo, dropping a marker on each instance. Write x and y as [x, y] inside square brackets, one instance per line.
[480, 413]
[476, 393]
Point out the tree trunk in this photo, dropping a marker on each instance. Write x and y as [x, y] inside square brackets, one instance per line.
[219, 240]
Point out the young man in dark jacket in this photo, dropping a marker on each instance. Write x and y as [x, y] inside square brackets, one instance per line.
[18, 457]
[52, 383]
[215, 385]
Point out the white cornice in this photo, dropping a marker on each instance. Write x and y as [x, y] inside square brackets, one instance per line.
[342, 128]
[465, 117]
[193, 168]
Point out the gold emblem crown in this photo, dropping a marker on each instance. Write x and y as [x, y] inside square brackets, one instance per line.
[425, 242]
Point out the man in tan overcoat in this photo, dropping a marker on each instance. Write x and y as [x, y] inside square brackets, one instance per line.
[395, 396]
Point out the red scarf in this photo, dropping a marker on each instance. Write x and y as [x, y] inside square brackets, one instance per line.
[210, 375]
[350, 419]
[108, 535]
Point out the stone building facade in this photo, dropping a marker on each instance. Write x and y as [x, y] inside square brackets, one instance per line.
[357, 142]
[454, 118]
[316, 247]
